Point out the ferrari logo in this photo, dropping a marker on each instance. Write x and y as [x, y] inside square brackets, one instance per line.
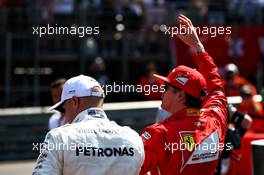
[189, 142]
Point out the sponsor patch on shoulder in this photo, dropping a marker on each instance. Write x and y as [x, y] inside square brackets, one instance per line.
[146, 135]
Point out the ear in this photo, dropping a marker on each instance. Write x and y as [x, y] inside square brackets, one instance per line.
[181, 96]
[76, 101]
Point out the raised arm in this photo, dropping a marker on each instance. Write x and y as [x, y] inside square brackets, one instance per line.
[204, 62]
[216, 98]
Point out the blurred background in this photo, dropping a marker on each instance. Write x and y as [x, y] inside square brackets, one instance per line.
[129, 39]
[128, 50]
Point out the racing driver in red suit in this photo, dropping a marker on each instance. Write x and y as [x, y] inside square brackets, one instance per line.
[191, 140]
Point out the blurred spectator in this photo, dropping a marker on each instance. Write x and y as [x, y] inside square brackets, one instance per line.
[150, 84]
[244, 11]
[238, 124]
[58, 11]
[253, 108]
[233, 82]
[175, 8]
[97, 70]
[46, 14]
[248, 10]
[233, 8]
[198, 11]
[133, 14]
[154, 11]
[62, 6]
[57, 7]
[57, 119]
[216, 11]
[136, 7]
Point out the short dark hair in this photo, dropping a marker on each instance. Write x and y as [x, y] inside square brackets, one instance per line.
[175, 89]
[58, 82]
[193, 102]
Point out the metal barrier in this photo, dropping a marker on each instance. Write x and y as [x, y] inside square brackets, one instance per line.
[20, 128]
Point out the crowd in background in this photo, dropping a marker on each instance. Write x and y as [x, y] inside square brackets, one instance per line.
[152, 11]
[130, 28]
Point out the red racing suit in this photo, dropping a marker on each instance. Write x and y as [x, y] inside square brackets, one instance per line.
[190, 141]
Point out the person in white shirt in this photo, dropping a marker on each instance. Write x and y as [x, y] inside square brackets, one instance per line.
[57, 119]
[90, 144]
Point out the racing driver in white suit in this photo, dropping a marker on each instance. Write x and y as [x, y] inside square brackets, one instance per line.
[90, 144]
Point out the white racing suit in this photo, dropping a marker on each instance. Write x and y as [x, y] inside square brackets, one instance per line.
[91, 145]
